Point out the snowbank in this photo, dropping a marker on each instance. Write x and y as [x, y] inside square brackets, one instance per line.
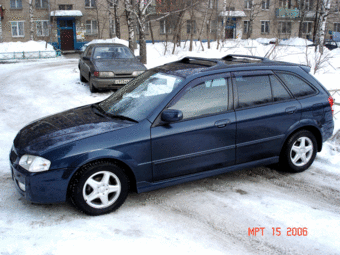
[25, 46]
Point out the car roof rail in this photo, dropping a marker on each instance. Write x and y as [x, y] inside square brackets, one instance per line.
[231, 57]
[201, 61]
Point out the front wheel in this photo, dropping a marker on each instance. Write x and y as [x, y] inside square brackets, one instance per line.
[99, 188]
[299, 152]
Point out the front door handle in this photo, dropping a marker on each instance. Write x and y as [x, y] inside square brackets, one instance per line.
[291, 109]
[222, 123]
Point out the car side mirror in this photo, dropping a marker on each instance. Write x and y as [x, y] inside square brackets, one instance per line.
[86, 58]
[171, 115]
[139, 58]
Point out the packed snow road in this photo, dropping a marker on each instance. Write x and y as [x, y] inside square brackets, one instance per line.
[214, 215]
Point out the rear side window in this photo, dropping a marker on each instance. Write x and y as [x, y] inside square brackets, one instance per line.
[210, 97]
[252, 90]
[297, 86]
[279, 92]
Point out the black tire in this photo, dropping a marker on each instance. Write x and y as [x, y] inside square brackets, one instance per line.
[81, 77]
[91, 86]
[99, 188]
[298, 152]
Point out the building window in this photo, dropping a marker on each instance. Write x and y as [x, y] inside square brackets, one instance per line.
[246, 24]
[90, 3]
[307, 4]
[41, 4]
[285, 4]
[284, 27]
[265, 4]
[191, 26]
[212, 26]
[248, 4]
[164, 27]
[211, 4]
[16, 4]
[307, 27]
[265, 27]
[231, 9]
[17, 28]
[65, 7]
[336, 27]
[42, 28]
[91, 27]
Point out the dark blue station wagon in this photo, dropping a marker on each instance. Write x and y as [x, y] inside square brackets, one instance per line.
[180, 122]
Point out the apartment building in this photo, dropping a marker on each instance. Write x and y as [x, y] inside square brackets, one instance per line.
[69, 24]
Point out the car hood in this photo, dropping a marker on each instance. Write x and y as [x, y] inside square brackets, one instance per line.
[119, 65]
[63, 128]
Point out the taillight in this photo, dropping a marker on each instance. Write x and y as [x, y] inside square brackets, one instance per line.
[96, 74]
[331, 103]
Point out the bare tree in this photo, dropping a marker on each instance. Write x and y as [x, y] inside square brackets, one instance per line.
[253, 11]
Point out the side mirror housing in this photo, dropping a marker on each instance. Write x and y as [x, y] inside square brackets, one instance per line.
[139, 58]
[171, 115]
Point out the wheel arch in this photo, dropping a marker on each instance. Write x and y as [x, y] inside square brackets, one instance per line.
[127, 169]
[311, 128]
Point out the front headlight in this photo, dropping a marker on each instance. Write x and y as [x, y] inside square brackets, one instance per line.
[104, 74]
[34, 163]
[136, 73]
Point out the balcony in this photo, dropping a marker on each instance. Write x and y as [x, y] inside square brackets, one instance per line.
[287, 13]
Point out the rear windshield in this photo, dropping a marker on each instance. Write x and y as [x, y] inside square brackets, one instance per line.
[112, 52]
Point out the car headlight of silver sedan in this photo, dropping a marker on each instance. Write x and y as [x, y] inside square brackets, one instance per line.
[136, 73]
[104, 74]
[34, 163]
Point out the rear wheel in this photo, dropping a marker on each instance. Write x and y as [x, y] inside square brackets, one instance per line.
[99, 188]
[92, 87]
[299, 152]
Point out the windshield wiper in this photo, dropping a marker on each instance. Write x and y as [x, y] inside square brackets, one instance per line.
[98, 110]
[122, 117]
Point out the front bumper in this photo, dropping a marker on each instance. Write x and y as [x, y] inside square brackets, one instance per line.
[110, 83]
[44, 187]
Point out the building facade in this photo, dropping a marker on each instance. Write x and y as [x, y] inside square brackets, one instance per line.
[69, 24]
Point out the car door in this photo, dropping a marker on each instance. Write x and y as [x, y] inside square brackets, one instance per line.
[85, 63]
[265, 110]
[204, 139]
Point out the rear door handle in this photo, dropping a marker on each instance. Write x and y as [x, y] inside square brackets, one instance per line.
[222, 123]
[291, 109]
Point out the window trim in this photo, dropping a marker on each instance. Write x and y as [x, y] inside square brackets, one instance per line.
[246, 7]
[265, 33]
[308, 33]
[15, 3]
[93, 32]
[36, 26]
[17, 21]
[90, 6]
[266, 5]
[41, 7]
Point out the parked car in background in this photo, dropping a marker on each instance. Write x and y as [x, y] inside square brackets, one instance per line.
[179, 122]
[331, 45]
[108, 66]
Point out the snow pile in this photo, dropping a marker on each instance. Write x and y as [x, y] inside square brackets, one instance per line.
[295, 42]
[265, 40]
[25, 46]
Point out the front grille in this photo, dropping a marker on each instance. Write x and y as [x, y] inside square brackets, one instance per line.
[123, 75]
[13, 156]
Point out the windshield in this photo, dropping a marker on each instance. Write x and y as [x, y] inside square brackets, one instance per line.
[141, 96]
[111, 52]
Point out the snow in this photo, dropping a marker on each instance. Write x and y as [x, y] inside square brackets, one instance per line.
[66, 13]
[25, 46]
[233, 14]
[209, 216]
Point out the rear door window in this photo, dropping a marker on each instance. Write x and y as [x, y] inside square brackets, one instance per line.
[279, 92]
[296, 85]
[253, 90]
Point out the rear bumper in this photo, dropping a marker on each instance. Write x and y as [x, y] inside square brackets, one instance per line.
[44, 187]
[110, 83]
